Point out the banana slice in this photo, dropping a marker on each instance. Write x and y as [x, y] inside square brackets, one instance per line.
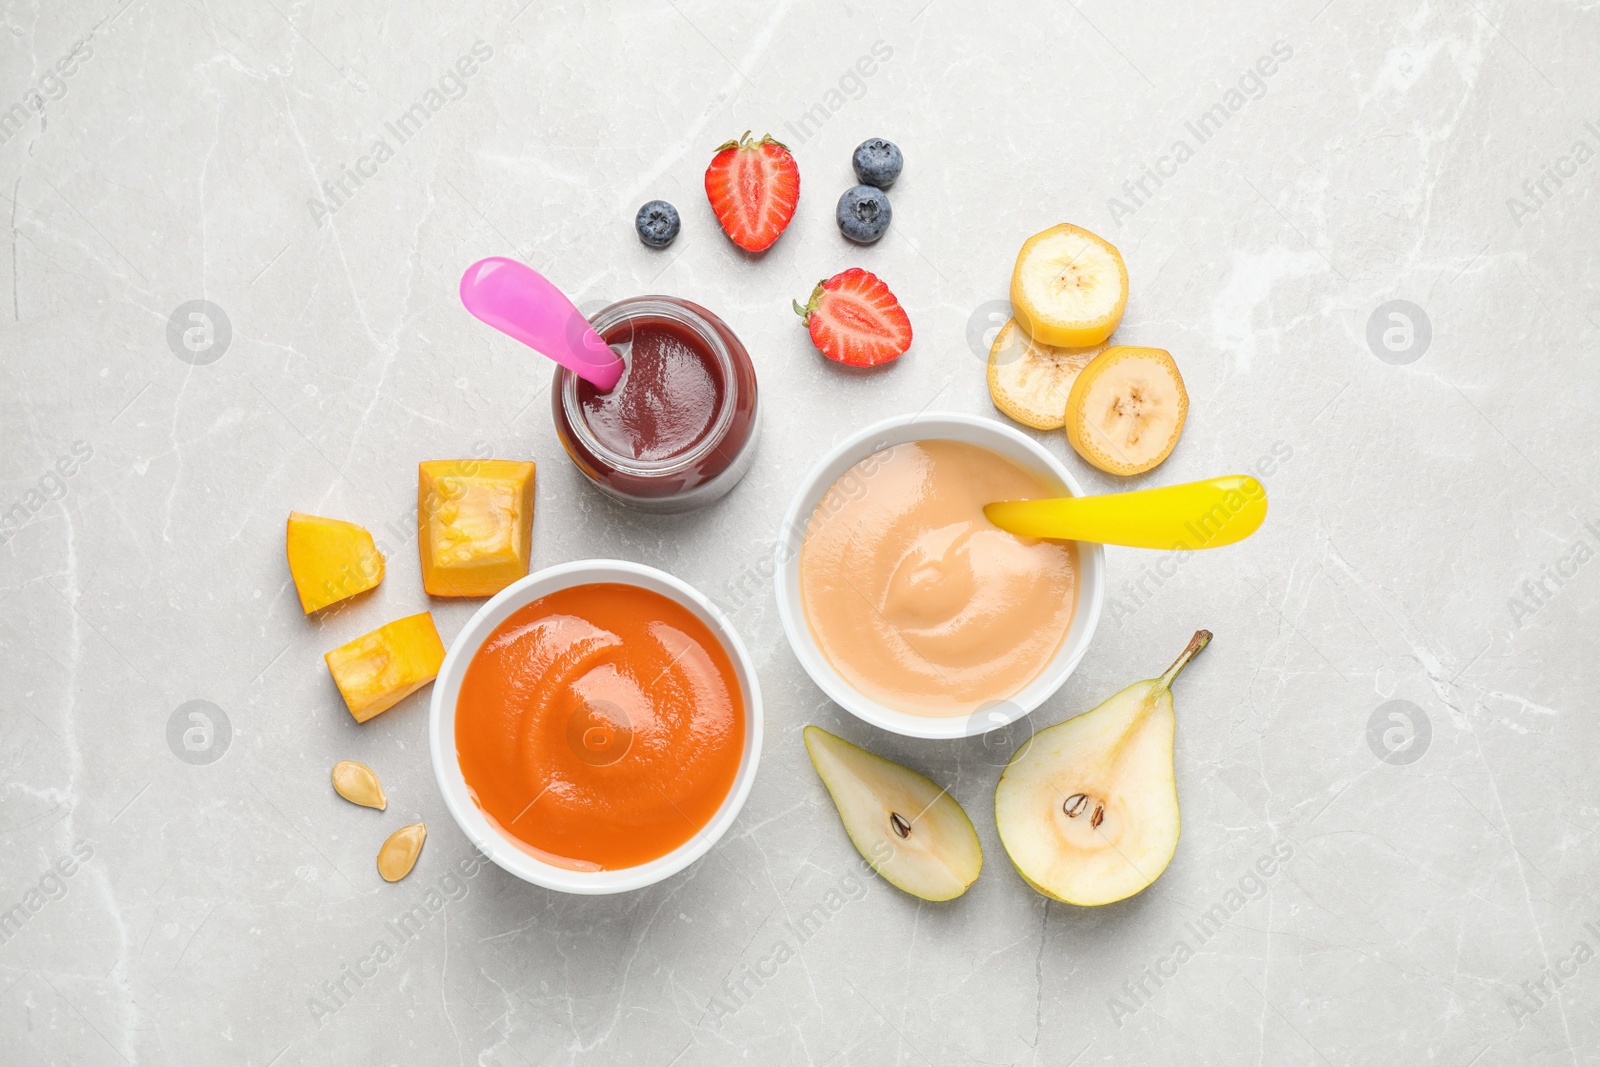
[1031, 381]
[1126, 409]
[1069, 287]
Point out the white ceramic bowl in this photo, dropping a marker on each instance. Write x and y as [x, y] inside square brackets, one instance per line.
[904, 429]
[442, 727]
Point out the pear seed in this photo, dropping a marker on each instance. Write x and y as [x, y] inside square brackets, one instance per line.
[899, 823]
[1074, 805]
[357, 784]
[399, 853]
[1098, 817]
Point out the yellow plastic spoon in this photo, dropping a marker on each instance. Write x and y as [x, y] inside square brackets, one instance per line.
[1206, 514]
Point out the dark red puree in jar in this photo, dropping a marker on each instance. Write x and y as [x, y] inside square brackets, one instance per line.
[667, 397]
[678, 430]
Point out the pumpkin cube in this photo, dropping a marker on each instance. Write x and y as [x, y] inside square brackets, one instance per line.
[330, 559]
[378, 670]
[474, 524]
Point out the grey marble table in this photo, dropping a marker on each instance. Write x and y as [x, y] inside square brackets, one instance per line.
[1366, 231]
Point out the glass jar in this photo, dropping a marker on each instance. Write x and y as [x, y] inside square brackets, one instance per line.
[679, 429]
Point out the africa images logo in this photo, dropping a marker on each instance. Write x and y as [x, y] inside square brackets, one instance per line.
[1250, 87]
[199, 332]
[1254, 884]
[452, 85]
[1547, 184]
[199, 732]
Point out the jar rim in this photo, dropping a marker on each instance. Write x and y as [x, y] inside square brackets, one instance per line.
[680, 312]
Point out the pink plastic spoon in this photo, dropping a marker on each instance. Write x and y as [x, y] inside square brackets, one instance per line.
[523, 304]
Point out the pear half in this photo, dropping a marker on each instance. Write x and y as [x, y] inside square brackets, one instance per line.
[1088, 811]
[909, 830]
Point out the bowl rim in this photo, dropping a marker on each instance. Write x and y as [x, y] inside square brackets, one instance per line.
[494, 843]
[904, 429]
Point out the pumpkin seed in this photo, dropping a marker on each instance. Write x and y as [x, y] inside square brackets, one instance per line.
[357, 784]
[399, 853]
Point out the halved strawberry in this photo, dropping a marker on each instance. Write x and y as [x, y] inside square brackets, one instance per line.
[854, 319]
[753, 187]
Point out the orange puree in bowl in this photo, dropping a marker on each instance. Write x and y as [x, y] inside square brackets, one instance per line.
[920, 602]
[600, 726]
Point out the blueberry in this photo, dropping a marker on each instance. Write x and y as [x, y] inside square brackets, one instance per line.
[657, 223]
[864, 213]
[877, 162]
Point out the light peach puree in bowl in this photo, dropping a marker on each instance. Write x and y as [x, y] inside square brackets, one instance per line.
[916, 599]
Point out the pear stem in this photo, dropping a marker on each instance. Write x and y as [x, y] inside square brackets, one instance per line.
[1200, 640]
